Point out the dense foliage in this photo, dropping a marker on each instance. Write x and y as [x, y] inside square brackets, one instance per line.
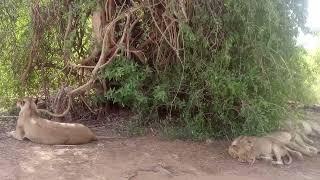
[237, 67]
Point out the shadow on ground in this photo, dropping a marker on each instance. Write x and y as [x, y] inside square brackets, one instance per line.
[142, 158]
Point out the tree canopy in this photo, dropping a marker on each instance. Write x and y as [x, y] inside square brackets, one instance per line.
[210, 68]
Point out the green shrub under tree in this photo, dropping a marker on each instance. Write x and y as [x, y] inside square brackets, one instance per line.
[220, 68]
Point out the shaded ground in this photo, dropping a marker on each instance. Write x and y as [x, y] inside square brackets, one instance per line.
[142, 158]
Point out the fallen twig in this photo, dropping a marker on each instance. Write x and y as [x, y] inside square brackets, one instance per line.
[9, 117]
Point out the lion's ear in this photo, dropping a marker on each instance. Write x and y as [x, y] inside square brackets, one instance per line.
[19, 103]
[36, 100]
[249, 140]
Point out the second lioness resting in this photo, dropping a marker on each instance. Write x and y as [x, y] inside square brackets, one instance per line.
[31, 126]
[294, 140]
[250, 148]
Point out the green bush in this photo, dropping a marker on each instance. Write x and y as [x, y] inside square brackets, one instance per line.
[237, 67]
[239, 87]
[126, 80]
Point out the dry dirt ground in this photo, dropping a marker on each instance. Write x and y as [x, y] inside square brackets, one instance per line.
[141, 158]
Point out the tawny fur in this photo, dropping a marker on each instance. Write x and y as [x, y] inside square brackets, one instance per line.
[39, 130]
[295, 140]
[249, 148]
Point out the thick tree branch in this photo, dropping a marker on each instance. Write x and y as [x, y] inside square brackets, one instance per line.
[105, 49]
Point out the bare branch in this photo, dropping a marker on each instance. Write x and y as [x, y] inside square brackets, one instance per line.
[68, 29]
[9, 117]
[105, 49]
[57, 115]
[28, 68]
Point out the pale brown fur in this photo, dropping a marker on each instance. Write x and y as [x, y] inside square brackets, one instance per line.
[249, 148]
[306, 127]
[299, 131]
[31, 126]
[294, 140]
[238, 150]
[234, 148]
[315, 127]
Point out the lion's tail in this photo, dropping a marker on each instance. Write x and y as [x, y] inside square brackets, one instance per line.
[289, 160]
[297, 154]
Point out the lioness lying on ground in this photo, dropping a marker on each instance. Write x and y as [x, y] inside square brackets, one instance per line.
[299, 131]
[250, 148]
[295, 141]
[31, 126]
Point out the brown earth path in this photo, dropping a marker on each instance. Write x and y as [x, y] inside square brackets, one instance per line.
[142, 158]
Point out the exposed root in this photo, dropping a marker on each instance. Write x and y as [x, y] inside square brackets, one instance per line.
[145, 31]
[58, 115]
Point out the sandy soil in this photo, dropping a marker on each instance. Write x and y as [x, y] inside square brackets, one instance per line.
[142, 158]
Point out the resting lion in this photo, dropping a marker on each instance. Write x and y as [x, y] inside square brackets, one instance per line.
[299, 139]
[309, 127]
[295, 140]
[250, 148]
[31, 126]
